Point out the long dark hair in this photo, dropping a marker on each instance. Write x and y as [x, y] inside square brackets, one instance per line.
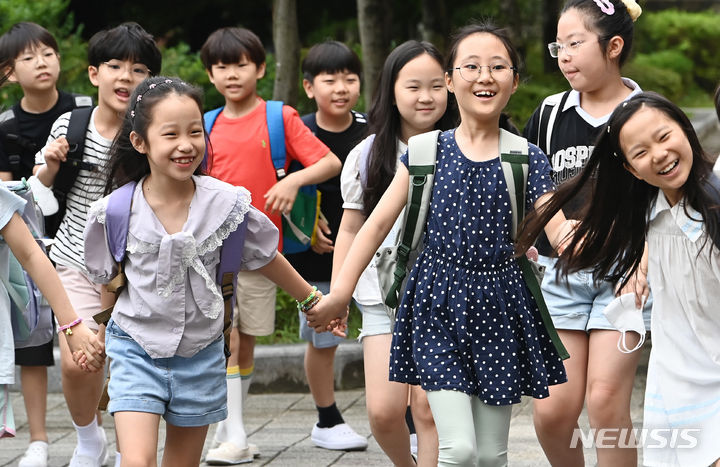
[384, 120]
[610, 238]
[606, 26]
[126, 163]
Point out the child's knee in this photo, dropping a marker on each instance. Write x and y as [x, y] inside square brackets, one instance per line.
[385, 417]
[459, 450]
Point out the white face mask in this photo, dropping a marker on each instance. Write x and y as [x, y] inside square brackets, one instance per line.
[622, 314]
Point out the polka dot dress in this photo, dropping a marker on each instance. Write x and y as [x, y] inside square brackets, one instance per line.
[467, 321]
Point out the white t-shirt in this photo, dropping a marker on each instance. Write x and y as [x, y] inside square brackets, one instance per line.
[68, 249]
[367, 290]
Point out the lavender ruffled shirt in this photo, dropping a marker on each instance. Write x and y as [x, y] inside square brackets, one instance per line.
[172, 305]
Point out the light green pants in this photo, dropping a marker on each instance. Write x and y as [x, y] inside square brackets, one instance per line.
[470, 432]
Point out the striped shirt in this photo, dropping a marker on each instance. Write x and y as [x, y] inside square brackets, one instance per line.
[68, 249]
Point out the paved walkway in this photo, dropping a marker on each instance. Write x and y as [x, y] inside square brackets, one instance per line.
[280, 425]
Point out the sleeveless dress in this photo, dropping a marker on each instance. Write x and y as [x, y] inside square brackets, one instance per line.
[467, 321]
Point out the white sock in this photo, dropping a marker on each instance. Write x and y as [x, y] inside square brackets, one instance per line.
[233, 425]
[89, 439]
[246, 375]
[117, 459]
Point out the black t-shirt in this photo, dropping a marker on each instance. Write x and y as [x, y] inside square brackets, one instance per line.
[34, 129]
[310, 265]
[571, 144]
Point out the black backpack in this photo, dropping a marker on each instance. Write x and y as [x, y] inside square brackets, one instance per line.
[18, 147]
[69, 170]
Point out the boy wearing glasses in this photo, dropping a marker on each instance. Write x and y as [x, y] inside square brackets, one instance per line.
[119, 58]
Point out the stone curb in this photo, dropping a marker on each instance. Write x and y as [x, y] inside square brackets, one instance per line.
[278, 368]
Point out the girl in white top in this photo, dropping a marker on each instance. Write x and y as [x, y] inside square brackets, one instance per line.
[657, 186]
[81, 340]
[165, 336]
[411, 98]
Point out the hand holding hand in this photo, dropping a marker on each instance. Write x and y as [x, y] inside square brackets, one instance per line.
[638, 285]
[322, 315]
[87, 348]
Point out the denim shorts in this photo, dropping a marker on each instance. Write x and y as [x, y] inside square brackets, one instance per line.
[185, 391]
[319, 340]
[577, 304]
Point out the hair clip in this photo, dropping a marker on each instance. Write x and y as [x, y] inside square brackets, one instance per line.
[132, 114]
[152, 86]
[608, 129]
[615, 154]
[633, 9]
[606, 6]
[139, 98]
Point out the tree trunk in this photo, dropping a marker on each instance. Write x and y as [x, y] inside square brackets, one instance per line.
[373, 21]
[549, 32]
[434, 27]
[287, 51]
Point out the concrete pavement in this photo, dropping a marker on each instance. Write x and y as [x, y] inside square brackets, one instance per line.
[280, 425]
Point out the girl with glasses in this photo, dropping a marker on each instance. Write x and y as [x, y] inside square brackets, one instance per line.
[468, 330]
[594, 38]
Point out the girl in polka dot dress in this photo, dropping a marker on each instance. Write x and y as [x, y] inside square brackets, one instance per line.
[468, 329]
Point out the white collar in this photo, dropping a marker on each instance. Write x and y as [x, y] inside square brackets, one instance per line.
[573, 100]
[685, 217]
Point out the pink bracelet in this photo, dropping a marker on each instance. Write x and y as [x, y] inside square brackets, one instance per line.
[67, 328]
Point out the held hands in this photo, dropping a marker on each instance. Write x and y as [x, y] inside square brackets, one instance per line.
[328, 315]
[322, 243]
[87, 348]
[281, 197]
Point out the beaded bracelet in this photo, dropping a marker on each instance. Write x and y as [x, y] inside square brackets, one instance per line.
[310, 301]
[67, 329]
[314, 302]
[309, 297]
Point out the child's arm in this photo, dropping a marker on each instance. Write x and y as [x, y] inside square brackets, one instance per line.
[281, 197]
[36, 263]
[559, 230]
[54, 153]
[286, 277]
[6, 176]
[363, 247]
[638, 283]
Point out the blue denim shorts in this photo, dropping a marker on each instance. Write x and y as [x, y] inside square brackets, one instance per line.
[577, 304]
[185, 391]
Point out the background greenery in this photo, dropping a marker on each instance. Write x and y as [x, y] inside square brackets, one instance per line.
[674, 52]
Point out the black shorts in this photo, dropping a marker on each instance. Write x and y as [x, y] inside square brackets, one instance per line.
[41, 355]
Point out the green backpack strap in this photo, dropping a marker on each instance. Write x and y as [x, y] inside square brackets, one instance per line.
[422, 151]
[515, 164]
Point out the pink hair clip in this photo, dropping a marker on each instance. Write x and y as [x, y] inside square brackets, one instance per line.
[606, 6]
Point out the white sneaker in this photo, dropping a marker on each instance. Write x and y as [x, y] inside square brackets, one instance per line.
[89, 461]
[254, 449]
[36, 455]
[413, 444]
[339, 438]
[228, 454]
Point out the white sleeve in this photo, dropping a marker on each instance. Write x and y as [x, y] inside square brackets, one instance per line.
[350, 183]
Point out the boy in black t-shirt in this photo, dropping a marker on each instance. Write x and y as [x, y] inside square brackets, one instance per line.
[32, 53]
[331, 76]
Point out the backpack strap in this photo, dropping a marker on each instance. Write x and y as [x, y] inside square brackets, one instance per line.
[210, 117]
[310, 121]
[276, 133]
[548, 114]
[117, 224]
[15, 144]
[230, 261]
[515, 163]
[422, 151]
[76, 134]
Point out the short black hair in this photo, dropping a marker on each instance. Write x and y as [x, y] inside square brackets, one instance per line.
[230, 45]
[330, 57]
[128, 41]
[20, 37]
